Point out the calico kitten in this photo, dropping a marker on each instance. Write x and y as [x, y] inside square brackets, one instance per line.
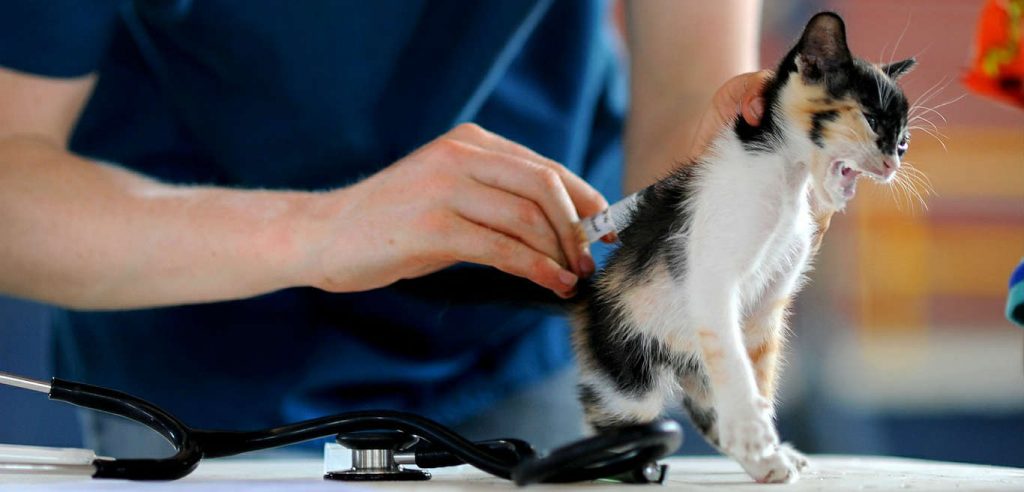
[693, 303]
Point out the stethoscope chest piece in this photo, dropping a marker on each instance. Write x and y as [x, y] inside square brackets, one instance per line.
[373, 457]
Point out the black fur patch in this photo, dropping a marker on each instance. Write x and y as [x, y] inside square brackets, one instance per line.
[588, 397]
[703, 418]
[630, 362]
[883, 99]
[659, 214]
[767, 136]
[818, 121]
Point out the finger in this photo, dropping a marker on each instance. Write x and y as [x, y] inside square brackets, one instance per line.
[477, 244]
[729, 97]
[543, 186]
[752, 106]
[511, 215]
[586, 199]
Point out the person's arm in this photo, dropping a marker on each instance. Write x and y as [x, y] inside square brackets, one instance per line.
[82, 234]
[683, 57]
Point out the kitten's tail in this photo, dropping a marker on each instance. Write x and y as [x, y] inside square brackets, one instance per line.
[481, 285]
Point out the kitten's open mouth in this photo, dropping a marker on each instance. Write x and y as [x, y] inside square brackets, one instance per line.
[846, 178]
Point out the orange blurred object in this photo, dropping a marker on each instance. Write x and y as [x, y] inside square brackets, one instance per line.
[998, 68]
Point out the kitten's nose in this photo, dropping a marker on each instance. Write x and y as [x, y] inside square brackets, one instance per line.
[889, 166]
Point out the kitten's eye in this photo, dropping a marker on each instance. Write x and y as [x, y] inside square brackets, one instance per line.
[872, 122]
[901, 147]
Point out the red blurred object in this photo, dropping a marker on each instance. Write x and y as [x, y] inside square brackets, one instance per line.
[998, 68]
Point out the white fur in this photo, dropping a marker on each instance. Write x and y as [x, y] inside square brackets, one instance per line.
[748, 245]
[629, 408]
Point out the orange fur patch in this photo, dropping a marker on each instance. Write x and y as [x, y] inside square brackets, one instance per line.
[711, 349]
[765, 359]
[801, 101]
[767, 322]
[823, 220]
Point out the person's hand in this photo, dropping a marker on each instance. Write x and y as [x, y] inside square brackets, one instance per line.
[469, 195]
[740, 95]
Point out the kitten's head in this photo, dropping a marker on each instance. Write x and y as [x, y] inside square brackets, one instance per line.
[847, 115]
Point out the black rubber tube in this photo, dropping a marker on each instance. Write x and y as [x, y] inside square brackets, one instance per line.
[610, 453]
[115, 402]
[218, 443]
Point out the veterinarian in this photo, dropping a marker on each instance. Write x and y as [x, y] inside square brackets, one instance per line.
[218, 194]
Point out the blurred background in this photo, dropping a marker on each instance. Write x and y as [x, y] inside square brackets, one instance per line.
[900, 346]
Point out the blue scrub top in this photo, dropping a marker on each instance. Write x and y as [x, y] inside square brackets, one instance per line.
[314, 95]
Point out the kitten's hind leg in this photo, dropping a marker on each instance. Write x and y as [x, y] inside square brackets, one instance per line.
[624, 375]
[607, 405]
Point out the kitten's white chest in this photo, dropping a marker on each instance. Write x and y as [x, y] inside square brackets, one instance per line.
[752, 212]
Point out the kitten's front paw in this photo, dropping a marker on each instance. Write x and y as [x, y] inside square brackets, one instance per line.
[782, 466]
[796, 457]
[748, 435]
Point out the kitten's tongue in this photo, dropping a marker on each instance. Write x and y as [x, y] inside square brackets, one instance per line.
[848, 181]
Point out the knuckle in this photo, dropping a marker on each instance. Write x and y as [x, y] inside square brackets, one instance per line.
[531, 215]
[549, 179]
[450, 148]
[502, 247]
[469, 129]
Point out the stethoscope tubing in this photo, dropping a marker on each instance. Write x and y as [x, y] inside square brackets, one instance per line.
[604, 455]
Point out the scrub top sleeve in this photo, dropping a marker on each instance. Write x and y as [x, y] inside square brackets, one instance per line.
[56, 38]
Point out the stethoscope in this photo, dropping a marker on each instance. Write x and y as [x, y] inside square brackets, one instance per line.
[381, 441]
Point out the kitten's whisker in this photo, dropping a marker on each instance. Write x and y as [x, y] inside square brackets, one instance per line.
[931, 110]
[900, 191]
[933, 132]
[936, 137]
[932, 125]
[878, 86]
[895, 191]
[919, 176]
[911, 191]
[892, 54]
[915, 179]
[951, 101]
[938, 86]
[917, 194]
[935, 109]
[930, 93]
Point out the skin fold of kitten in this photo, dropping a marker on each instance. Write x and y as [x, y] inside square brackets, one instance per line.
[691, 307]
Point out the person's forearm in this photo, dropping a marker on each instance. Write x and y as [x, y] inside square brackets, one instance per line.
[91, 236]
[680, 53]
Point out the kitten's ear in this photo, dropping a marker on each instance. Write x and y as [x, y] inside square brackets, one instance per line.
[896, 70]
[822, 48]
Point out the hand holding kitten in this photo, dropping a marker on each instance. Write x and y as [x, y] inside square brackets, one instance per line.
[740, 95]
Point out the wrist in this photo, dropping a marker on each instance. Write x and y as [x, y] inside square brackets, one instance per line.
[303, 238]
[289, 241]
